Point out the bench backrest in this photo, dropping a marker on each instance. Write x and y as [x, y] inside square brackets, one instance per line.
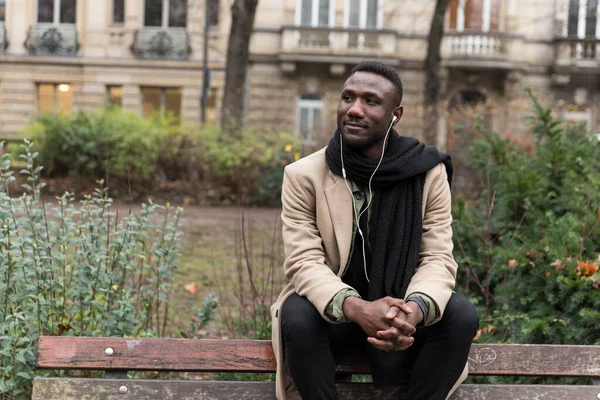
[257, 356]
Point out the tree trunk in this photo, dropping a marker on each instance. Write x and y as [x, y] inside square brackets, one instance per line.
[242, 21]
[432, 68]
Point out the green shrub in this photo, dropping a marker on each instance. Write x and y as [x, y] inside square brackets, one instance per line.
[77, 270]
[125, 147]
[529, 244]
[252, 162]
[85, 144]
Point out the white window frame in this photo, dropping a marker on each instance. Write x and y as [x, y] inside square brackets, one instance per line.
[315, 15]
[486, 17]
[108, 87]
[162, 108]
[165, 16]
[311, 104]
[363, 14]
[582, 20]
[55, 89]
[55, 13]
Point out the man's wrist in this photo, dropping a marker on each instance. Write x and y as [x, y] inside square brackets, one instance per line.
[417, 315]
[351, 307]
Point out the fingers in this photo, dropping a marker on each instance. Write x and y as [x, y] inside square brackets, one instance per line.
[405, 327]
[390, 334]
[396, 305]
[399, 327]
[402, 343]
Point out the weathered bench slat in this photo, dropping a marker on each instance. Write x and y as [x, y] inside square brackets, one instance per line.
[108, 389]
[257, 356]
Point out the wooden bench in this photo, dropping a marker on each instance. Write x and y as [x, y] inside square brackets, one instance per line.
[116, 356]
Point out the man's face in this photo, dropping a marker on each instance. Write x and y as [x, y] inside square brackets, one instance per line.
[367, 104]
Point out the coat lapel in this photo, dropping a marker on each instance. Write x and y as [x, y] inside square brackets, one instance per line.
[339, 202]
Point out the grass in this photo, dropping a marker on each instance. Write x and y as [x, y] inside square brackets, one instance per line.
[216, 260]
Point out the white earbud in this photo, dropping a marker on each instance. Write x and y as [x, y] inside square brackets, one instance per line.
[394, 118]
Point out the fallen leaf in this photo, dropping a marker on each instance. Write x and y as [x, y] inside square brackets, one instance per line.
[192, 287]
[512, 263]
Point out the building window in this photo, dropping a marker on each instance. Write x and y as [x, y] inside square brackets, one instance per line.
[213, 12]
[582, 19]
[55, 98]
[163, 100]
[118, 12]
[57, 11]
[310, 116]
[165, 13]
[314, 12]
[2, 10]
[114, 95]
[364, 14]
[479, 15]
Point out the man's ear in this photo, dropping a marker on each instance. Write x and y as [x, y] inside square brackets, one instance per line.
[398, 111]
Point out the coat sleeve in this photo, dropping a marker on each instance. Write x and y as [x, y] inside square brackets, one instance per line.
[305, 264]
[436, 273]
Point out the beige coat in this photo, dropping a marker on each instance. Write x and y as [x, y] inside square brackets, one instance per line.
[317, 235]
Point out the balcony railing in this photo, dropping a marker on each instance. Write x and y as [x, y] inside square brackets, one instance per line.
[3, 39]
[484, 44]
[574, 50]
[494, 49]
[161, 43]
[52, 40]
[338, 41]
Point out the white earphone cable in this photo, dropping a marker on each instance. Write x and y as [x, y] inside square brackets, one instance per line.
[356, 213]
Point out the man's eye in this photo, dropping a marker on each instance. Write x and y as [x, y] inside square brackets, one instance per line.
[346, 98]
[371, 101]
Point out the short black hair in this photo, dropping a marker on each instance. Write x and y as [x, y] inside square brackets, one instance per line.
[379, 68]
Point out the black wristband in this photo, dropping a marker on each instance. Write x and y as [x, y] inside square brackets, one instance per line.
[422, 306]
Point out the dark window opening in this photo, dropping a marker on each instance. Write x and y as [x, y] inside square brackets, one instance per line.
[213, 12]
[153, 12]
[46, 11]
[118, 14]
[178, 13]
[68, 10]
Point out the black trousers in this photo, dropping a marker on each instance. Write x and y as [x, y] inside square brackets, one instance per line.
[434, 362]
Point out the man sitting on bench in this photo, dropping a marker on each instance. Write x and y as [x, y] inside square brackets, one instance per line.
[366, 224]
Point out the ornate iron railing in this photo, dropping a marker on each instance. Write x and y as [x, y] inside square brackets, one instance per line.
[52, 39]
[161, 43]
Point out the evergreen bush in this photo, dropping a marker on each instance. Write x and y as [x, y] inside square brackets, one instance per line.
[528, 246]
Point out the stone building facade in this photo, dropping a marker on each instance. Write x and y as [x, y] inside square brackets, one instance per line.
[146, 56]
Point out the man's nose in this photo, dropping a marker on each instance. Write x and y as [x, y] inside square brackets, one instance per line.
[356, 110]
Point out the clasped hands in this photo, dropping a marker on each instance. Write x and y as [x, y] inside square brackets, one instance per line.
[388, 322]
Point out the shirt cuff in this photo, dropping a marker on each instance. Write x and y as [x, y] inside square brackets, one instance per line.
[335, 309]
[427, 306]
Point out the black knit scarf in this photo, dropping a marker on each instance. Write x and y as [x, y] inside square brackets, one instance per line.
[396, 218]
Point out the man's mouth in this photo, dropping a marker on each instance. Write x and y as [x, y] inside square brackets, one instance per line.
[355, 124]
